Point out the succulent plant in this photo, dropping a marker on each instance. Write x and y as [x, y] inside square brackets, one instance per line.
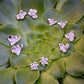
[41, 41]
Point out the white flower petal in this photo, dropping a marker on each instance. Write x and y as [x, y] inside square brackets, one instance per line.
[17, 49]
[44, 61]
[34, 66]
[51, 21]
[62, 24]
[33, 13]
[21, 14]
[70, 35]
[63, 47]
[13, 39]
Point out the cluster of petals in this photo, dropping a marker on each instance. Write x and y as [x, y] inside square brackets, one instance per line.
[17, 49]
[70, 35]
[34, 66]
[22, 14]
[63, 47]
[62, 24]
[33, 13]
[43, 61]
[13, 39]
[51, 21]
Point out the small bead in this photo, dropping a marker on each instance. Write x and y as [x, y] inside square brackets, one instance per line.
[70, 36]
[51, 21]
[34, 66]
[33, 13]
[21, 14]
[13, 39]
[44, 61]
[62, 24]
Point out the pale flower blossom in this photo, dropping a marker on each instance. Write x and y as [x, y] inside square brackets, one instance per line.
[33, 13]
[21, 14]
[63, 47]
[51, 21]
[62, 24]
[17, 49]
[13, 39]
[34, 66]
[44, 61]
[70, 35]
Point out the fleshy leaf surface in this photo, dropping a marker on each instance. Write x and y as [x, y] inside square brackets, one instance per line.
[47, 79]
[75, 64]
[71, 80]
[57, 68]
[7, 76]
[26, 76]
[72, 10]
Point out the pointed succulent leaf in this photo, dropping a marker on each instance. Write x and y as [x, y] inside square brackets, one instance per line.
[47, 79]
[7, 76]
[57, 68]
[26, 76]
[75, 64]
[48, 4]
[71, 80]
[79, 45]
[8, 15]
[22, 60]
[72, 10]
[4, 54]
[60, 4]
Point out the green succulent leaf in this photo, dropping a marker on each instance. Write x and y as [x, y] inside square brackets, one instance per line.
[41, 27]
[57, 68]
[60, 4]
[75, 64]
[8, 15]
[48, 4]
[81, 23]
[26, 76]
[79, 45]
[4, 54]
[7, 76]
[47, 79]
[4, 65]
[55, 54]
[53, 14]
[71, 80]
[72, 10]
[20, 61]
